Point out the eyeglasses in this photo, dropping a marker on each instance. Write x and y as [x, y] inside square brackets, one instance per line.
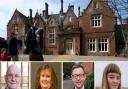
[78, 75]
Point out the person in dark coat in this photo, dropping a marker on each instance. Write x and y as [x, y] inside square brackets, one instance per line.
[13, 47]
[33, 39]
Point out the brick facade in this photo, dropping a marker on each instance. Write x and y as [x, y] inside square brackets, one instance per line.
[65, 33]
[105, 31]
[18, 24]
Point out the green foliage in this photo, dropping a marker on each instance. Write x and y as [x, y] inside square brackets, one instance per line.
[67, 69]
[90, 81]
[3, 44]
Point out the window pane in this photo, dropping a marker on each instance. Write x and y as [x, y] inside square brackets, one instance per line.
[103, 45]
[96, 21]
[51, 36]
[91, 45]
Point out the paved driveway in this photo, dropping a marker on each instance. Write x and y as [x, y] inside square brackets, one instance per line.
[76, 58]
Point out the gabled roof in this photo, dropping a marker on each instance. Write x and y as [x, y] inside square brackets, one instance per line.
[103, 3]
[70, 9]
[87, 6]
[23, 17]
[55, 16]
[36, 15]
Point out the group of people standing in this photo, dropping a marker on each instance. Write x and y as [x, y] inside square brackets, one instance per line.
[12, 53]
[34, 44]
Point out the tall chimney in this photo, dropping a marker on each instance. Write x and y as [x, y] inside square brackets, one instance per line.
[30, 16]
[46, 9]
[61, 6]
[78, 11]
[72, 7]
[43, 12]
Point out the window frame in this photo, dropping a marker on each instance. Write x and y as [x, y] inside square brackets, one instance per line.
[15, 28]
[91, 45]
[96, 21]
[51, 37]
[103, 45]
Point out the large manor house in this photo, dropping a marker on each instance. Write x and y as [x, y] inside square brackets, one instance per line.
[92, 32]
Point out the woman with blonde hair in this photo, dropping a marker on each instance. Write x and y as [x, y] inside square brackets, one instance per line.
[111, 77]
[46, 78]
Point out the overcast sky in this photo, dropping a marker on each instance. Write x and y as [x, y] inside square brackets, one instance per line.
[99, 68]
[7, 8]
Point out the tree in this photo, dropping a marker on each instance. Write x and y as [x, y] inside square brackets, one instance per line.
[120, 7]
[67, 69]
[90, 80]
[121, 11]
[3, 43]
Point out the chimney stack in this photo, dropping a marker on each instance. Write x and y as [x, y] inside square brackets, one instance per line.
[72, 7]
[30, 17]
[78, 11]
[46, 9]
[62, 6]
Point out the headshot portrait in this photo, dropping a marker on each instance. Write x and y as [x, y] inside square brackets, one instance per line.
[78, 75]
[45, 75]
[111, 75]
[14, 75]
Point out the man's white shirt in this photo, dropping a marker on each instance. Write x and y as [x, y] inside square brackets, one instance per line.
[81, 88]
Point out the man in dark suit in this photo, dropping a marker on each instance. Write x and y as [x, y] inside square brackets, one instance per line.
[78, 76]
[12, 77]
[34, 39]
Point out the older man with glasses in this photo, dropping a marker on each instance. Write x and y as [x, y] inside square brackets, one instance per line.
[12, 77]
